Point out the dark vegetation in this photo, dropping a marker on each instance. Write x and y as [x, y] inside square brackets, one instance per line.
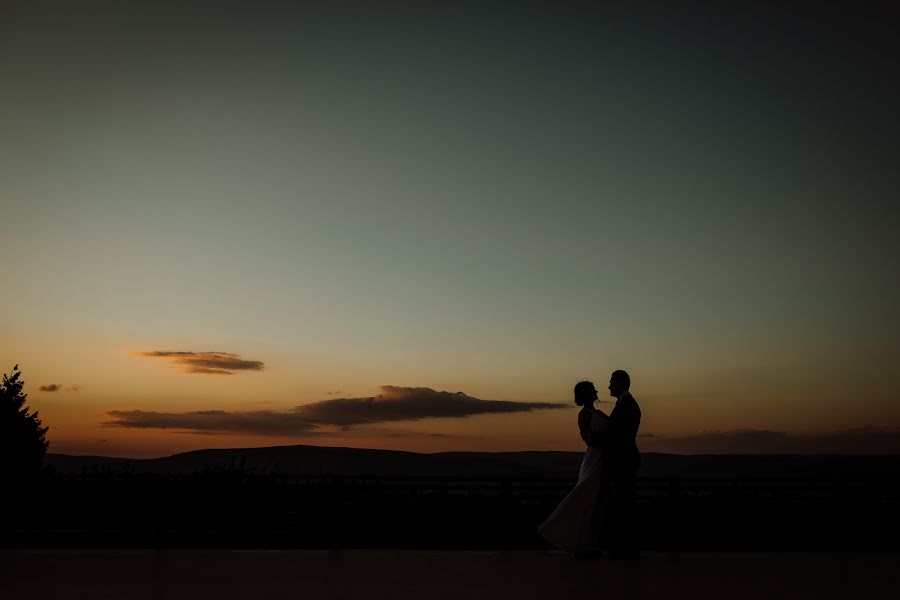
[23, 441]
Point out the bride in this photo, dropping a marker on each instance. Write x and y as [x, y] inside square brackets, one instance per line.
[574, 526]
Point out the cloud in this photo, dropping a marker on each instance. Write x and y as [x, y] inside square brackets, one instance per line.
[866, 440]
[262, 422]
[56, 387]
[409, 434]
[410, 404]
[208, 363]
[393, 404]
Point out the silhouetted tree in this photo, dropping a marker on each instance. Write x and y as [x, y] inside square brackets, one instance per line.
[22, 438]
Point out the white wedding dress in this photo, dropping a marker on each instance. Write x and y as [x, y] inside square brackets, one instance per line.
[574, 525]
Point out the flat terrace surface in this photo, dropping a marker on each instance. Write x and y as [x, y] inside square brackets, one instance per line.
[456, 575]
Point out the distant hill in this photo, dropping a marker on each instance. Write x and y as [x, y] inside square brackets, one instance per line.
[303, 459]
[337, 461]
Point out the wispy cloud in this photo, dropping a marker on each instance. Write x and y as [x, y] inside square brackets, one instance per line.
[393, 404]
[57, 387]
[206, 363]
[866, 440]
[262, 422]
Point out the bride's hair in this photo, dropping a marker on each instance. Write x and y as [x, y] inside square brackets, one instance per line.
[582, 392]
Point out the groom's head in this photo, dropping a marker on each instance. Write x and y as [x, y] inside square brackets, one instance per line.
[619, 382]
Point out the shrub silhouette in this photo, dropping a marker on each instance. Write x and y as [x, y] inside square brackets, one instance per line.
[22, 438]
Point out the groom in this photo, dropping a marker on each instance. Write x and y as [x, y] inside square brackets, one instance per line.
[621, 460]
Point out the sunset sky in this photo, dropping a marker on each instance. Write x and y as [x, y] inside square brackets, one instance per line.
[361, 223]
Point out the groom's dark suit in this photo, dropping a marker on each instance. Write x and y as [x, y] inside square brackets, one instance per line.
[621, 460]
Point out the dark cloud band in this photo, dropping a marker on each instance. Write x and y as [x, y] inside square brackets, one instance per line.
[206, 363]
[393, 404]
[409, 404]
[214, 421]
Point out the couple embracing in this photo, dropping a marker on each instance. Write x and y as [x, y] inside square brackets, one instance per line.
[599, 513]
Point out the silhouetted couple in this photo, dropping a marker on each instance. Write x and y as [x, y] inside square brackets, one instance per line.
[599, 514]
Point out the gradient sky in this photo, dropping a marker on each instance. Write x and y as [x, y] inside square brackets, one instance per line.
[499, 201]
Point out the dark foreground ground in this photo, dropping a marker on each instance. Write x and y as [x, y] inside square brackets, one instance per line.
[233, 508]
[400, 574]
